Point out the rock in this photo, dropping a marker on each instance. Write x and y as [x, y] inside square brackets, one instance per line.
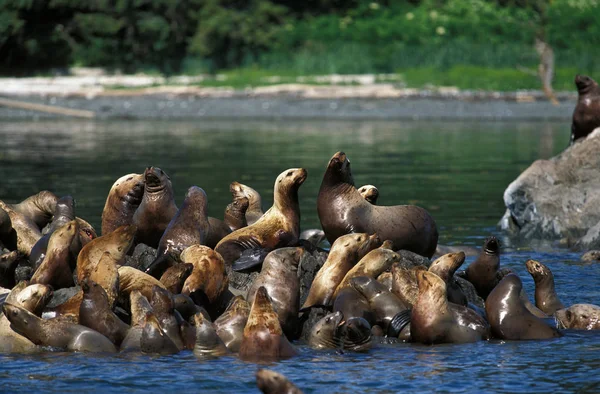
[410, 259]
[310, 263]
[558, 198]
[469, 291]
[240, 282]
[23, 272]
[62, 295]
[310, 318]
[591, 257]
[141, 258]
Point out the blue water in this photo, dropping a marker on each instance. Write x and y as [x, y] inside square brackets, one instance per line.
[458, 171]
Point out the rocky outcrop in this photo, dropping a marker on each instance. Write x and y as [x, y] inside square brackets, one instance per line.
[558, 198]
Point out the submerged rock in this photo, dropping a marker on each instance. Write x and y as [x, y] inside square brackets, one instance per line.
[558, 198]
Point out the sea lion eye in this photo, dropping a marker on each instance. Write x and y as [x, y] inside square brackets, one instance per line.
[289, 173]
[569, 315]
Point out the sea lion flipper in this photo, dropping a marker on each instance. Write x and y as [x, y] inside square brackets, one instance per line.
[398, 322]
[250, 258]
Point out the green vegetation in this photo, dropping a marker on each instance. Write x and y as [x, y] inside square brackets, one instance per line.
[464, 43]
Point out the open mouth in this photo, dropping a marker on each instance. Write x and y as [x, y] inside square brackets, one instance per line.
[152, 179]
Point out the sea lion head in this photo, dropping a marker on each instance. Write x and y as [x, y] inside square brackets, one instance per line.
[21, 320]
[86, 232]
[197, 198]
[291, 179]
[155, 179]
[431, 288]
[445, 266]
[584, 84]
[65, 206]
[325, 333]
[579, 316]
[491, 246]
[369, 193]
[238, 205]
[135, 184]
[262, 315]
[537, 270]
[139, 308]
[289, 257]
[356, 334]
[33, 297]
[93, 291]
[339, 170]
[162, 300]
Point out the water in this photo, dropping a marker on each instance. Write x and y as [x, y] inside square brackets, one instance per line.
[458, 171]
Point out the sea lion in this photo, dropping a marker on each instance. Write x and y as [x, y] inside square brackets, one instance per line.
[154, 340]
[162, 306]
[230, 325]
[445, 266]
[263, 338]
[139, 308]
[208, 343]
[278, 227]
[404, 283]
[8, 264]
[345, 252]
[254, 210]
[385, 278]
[55, 269]
[369, 193]
[342, 210]
[175, 276]
[271, 382]
[235, 213]
[545, 295]
[353, 304]
[208, 276]
[325, 333]
[372, 265]
[188, 227]
[56, 333]
[131, 279]
[315, 236]
[116, 243]
[586, 116]
[435, 320]
[279, 276]
[124, 197]
[482, 272]
[383, 303]
[67, 311]
[579, 317]
[355, 334]
[156, 209]
[5, 224]
[106, 274]
[96, 313]
[24, 234]
[508, 317]
[38, 208]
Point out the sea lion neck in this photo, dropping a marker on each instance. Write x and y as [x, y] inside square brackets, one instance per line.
[285, 199]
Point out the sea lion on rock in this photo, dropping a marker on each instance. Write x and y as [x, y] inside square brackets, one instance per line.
[106, 274]
[586, 116]
[67, 310]
[508, 317]
[435, 320]
[235, 213]
[369, 193]
[386, 279]
[405, 284]
[254, 210]
[230, 325]
[445, 266]
[208, 343]
[56, 333]
[345, 252]
[579, 317]
[140, 306]
[355, 334]
[545, 295]
[208, 276]
[175, 276]
[325, 334]
[131, 279]
[342, 210]
[271, 382]
[96, 313]
[278, 227]
[123, 199]
[24, 234]
[482, 272]
[38, 208]
[353, 304]
[8, 265]
[154, 340]
[263, 337]
[162, 306]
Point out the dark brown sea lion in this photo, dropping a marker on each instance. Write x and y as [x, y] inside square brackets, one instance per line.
[579, 317]
[175, 276]
[116, 243]
[156, 209]
[38, 208]
[5, 224]
[208, 343]
[8, 265]
[154, 340]
[96, 313]
[235, 213]
[140, 306]
[586, 116]
[435, 320]
[383, 303]
[352, 304]
[162, 306]
[369, 193]
[342, 210]
[345, 252]
[123, 199]
[271, 382]
[356, 334]
[508, 317]
[482, 272]
[24, 234]
[545, 295]
[208, 276]
[277, 228]
[313, 235]
[279, 276]
[55, 269]
[263, 337]
[254, 211]
[56, 333]
[325, 333]
[106, 274]
[131, 279]
[230, 325]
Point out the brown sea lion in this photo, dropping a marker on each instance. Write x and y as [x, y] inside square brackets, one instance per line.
[385, 278]
[140, 306]
[116, 243]
[175, 276]
[325, 334]
[445, 266]
[8, 264]
[131, 279]
[405, 284]
[123, 199]
[508, 317]
[208, 275]
[545, 295]
[56, 333]
[154, 340]
[435, 320]
[162, 306]
[482, 272]
[254, 211]
[217, 230]
[235, 213]
[345, 252]
[67, 311]
[106, 274]
[271, 382]
[279, 276]
[55, 269]
[208, 343]
[96, 313]
[38, 208]
[579, 317]
[383, 303]
[278, 227]
[372, 265]
[342, 210]
[369, 193]
[263, 338]
[586, 116]
[24, 234]
[230, 325]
